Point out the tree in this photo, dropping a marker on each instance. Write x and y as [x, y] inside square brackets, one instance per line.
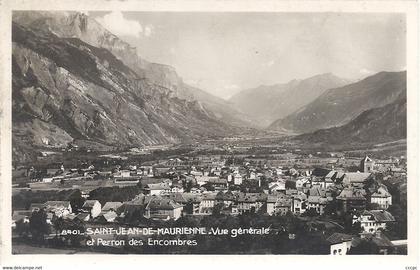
[38, 226]
[365, 247]
[76, 200]
[217, 209]
[22, 228]
[311, 212]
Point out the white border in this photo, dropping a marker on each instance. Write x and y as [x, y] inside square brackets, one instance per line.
[410, 8]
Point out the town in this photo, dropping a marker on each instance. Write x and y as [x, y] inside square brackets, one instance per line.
[314, 203]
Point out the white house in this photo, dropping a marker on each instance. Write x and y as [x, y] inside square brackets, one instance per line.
[237, 179]
[157, 189]
[374, 220]
[93, 207]
[382, 197]
[340, 243]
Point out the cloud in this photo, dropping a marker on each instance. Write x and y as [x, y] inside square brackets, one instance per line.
[232, 87]
[365, 71]
[269, 63]
[116, 23]
[148, 30]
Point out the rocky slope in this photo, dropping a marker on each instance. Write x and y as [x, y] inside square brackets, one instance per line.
[338, 106]
[266, 104]
[65, 89]
[78, 25]
[384, 124]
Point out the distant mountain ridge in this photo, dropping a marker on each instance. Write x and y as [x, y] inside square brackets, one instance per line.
[383, 124]
[339, 106]
[269, 103]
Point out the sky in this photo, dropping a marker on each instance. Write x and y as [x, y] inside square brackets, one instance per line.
[223, 53]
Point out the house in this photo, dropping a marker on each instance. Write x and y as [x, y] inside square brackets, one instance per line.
[299, 203]
[278, 205]
[83, 217]
[111, 207]
[320, 172]
[106, 217]
[192, 203]
[20, 216]
[271, 202]
[177, 188]
[122, 174]
[367, 165]
[204, 179]
[218, 183]
[314, 203]
[340, 243]
[237, 179]
[250, 202]
[163, 208]
[58, 208]
[333, 177]
[381, 197]
[356, 179]
[92, 207]
[350, 199]
[208, 200]
[302, 182]
[283, 206]
[227, 198]
[157, 189]
[160, 171]
[374, 220]
[279, 185]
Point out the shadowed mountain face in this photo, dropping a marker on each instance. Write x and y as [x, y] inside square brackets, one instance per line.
[384, 124]
[266, 104]
[65, 89]
[80, 26]
[338, 106]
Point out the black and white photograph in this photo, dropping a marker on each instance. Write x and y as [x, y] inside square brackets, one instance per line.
[140, 132]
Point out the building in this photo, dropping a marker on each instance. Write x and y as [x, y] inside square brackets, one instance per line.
[163, 208]
[367, 165]
[351, 199]
[340, 243]
[299, 203]
[374, 220]
[111, 206]
[92, 207]
[279, 185]
[208, 201]
[381, 197]
[237, 179]
[356, 179]
[157, 189]
[250, 202]
[58, 208]
[226, 198]
[317, 203]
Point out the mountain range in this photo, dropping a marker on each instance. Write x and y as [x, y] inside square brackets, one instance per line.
[67, 24]
[383, 124]
[338, 106]
[64, 90]
[266, 104]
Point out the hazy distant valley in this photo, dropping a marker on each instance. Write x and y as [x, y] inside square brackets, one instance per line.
[76, 82]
